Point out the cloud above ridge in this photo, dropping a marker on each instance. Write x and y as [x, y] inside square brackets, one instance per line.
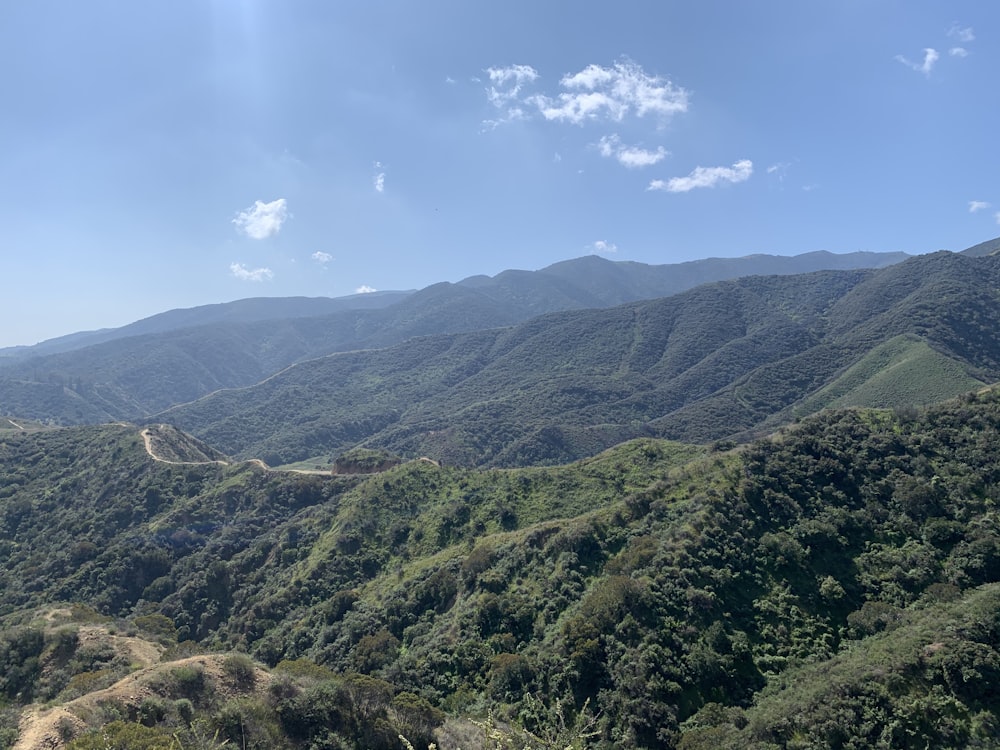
[596, 93]
[612, 93]
[262, 220]
[632, 157]
[243, 273]
[706, 177]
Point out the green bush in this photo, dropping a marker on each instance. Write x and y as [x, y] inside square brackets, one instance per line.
[120, 735]
[240, 669]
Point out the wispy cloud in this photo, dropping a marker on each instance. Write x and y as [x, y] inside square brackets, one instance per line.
[243, 273]
[958, 52]
[706, 177]
[963, 35]
[975, 206]
[505, 92]
[365, 289]
[594, 94]
[506, 83]
[612, 93]
[780, 170]
[931, 56]
[320, 257]
[262, 220]
[378, 180]
[603, 246]
[632, 157]
[997, 216]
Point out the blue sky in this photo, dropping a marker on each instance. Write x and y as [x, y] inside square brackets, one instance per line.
[169, 154]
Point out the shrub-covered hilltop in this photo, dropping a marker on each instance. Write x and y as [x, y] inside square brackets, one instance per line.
[837, 585]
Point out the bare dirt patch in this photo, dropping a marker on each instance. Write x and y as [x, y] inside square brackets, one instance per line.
[50, 728]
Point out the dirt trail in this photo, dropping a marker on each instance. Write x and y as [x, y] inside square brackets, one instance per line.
[15, 424]
[148, 441]
[45, 728]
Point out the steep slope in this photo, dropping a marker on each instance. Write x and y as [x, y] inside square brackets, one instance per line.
[178, 356]
[718, 360]
[836, 581]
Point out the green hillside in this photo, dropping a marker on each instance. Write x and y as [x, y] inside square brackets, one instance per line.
[181, 355]
[718, 361]
[904, 370]
[832, 585]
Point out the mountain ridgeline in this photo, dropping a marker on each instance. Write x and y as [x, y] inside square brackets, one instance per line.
[176, 357]
[719, 361]
[539, 511]
[835, 585]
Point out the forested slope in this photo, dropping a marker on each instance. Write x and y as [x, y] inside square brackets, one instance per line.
[718, 361]
[834, 584]
[177, 356]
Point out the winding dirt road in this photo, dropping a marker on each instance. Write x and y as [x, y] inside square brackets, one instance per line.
[147, 439]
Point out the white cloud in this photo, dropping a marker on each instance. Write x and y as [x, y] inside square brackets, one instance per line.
[930, 57]
[705, 177]
[612, 93]
[320, 257]
[997, 216]
[958, 52]
[505, 89]
[243, 273]
[365, 289]
[262, 220]
[962, 35]
[977, 206]
[632, 157]
[603, 246]
[378, 180]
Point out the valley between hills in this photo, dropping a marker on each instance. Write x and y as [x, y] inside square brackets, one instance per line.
[749, 504]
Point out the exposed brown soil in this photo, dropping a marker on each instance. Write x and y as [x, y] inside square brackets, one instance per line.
[47, 727]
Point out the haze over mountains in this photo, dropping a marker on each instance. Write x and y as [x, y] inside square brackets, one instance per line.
[713, 362]
[175, 357]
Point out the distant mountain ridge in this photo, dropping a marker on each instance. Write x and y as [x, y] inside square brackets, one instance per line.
[719, 360]
[181, 355]
[249, 310]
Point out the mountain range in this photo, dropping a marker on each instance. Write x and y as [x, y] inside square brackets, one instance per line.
[178, 356]
[716, 362]
[545, 510]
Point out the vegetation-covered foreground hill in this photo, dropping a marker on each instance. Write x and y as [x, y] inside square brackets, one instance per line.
[718, 360]
[175, 357]
[833, 586]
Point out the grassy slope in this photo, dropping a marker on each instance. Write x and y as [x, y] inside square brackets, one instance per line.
[903, 370]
